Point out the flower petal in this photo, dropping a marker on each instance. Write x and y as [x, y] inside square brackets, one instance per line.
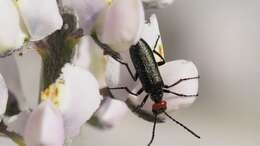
[40, 17]
[44, 126]
[82, 98]
[120, 24]
[82, 53]
[3, 96]
[174, 71]
[88, 56]
[10, 72]
[111, 112]
[11, 32]
[86, 10]
[157, 3]
[171, 72]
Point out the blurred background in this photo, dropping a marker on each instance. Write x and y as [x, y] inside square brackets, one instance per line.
[222, 37]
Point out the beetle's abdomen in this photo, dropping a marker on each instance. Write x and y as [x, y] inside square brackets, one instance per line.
[146, 66]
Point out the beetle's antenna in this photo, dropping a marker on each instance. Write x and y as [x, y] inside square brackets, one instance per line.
[186, 128]
[154, 125]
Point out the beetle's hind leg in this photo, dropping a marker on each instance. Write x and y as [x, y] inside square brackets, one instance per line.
[137, 108]
[115, 55]
[179, 94]
[140, 91]
[127, 90]
[134, 77]
[181, 80]
[107, 49]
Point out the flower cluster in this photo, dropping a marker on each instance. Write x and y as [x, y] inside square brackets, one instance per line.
[72, 36]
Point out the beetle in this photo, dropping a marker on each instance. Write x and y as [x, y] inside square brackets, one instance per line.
[147, 72]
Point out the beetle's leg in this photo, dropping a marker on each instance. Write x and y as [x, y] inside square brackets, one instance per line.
[142, 103]
[180, 80]
[130, 92]
[134, 77]
[157, 53]
[115, 55]
[179, 94]
[107, 49]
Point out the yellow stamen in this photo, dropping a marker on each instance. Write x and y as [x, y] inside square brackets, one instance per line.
[53, 93]
[109, 2]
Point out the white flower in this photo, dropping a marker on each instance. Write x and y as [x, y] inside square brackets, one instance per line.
[120, 24]
[75, 94]
[26, 20]
[3, 96]
[157, 3]
[111, 112]
[44, 126]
